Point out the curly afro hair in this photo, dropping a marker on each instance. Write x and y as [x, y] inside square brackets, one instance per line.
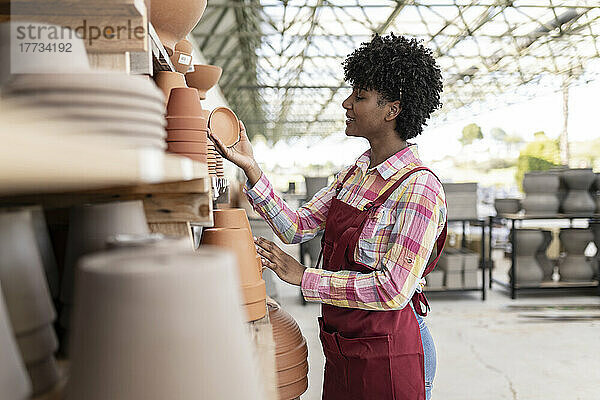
[398, 69]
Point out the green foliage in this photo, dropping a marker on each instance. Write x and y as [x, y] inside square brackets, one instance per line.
[540, 155]
[498, 134]
[470, 133]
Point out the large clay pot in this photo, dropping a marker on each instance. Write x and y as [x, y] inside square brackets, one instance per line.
[231, 218]
[541, 192]
[541, 204]
[14, 381]
[542, 259]
[174, 19]
[575, 267]
[578, 199]
[176, 328]
[291, 354]
[529, 271]
[507, 206]
[203, 78]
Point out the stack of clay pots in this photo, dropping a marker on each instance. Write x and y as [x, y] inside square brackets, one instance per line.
[89, 228]
[578, 199]
[529, 242]
[159, 323]
[28, 300]
[541, 192]
[186, 127]
[291, 354]
[575, 266]
[125, 110]
[14, 382]
[232, 231]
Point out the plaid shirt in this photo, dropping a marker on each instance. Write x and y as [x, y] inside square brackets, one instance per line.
[397, 241]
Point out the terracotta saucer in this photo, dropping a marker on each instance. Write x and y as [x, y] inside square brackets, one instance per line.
[187, 123]
[224, 123]
[186, 147]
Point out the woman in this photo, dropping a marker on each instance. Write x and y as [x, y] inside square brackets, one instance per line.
[385, 224]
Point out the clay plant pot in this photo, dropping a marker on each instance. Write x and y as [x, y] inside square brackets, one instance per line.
[231, 218]
[167, 80]
[541, 204]
[182, 56]
[575, 267]
[183, 102]
[541, 182]
[174, 19]
[255, 311]
[289, 391]
[507, 206]
[186, 147]
[44, 375]
[176, 135]
[187, 123]
[22, 277]
[254, 293]
[196, 157]
[89, 228]
[14, 380]
[542, 259]
[238, 241]
[174, 316]
[529, 272]
[203, 78]
[578, 199]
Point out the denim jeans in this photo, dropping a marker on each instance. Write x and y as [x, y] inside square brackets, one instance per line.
[430, 356]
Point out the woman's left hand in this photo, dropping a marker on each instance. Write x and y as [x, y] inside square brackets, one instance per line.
[284, 265]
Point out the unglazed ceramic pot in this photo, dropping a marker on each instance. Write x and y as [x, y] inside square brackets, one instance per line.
[174, 19]
[187, 123]
[176, 328]
[291, 354]
[22, 275]
[14, 381]
[184, 102]
[541, 192]
[181, 135]
[575, 267]
[182, 56]
[542, 259]
[89, 228]
[203, 78]
[507, 206]
[231, 218]
[529, 241]
[578, 199]
[167, 80]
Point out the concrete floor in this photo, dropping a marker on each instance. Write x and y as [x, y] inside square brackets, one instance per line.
[488, 351]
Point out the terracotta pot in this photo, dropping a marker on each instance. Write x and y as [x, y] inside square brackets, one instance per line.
[203, 78]
[541, 182]
[196, 157]
[44, 375]
[37, 345]
[293, 374]
[542, 259]
[89, 228]
[236, 240]
[151, 299]
[15, 382]
[184, 102]
[174, 19]
[256, 310]
[187, 123]
[167, 80]
[176, 135]
[232, 218]
[182, 56]
[575, 267]
[507, 206]
[186, 147]
[254, 293]
[292, 357]
[289, 391]
[22, 277]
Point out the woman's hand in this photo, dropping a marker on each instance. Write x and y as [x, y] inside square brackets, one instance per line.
[284, 265]
[240, 154]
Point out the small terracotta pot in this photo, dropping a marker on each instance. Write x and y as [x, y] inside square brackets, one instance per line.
[167, 80]
[187, 147]
[37, 345]
[231, 218]
[237, 240]
[203, 78]
[176, 135]
[187, 123]
[254, 293]
[196, 157]
[182, 56]
[44, 375]
[15, 382]
[184, 102]
[255, 311]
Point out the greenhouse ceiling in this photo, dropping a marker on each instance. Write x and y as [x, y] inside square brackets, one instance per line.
[282, 59]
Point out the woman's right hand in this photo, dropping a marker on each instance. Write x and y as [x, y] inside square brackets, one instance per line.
[240, 154]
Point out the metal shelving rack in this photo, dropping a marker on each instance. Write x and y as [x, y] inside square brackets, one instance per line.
[482, 261]
[512, 286]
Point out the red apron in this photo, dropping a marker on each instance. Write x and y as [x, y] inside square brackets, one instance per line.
[374, 355]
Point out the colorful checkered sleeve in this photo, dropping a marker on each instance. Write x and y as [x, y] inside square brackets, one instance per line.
[420, 215]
